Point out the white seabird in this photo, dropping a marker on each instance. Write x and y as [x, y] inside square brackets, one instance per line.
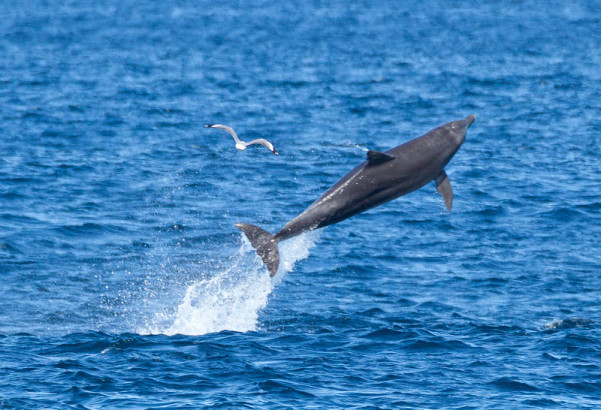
[241, 145]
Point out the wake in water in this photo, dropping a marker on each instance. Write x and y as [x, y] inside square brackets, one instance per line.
[232, 298]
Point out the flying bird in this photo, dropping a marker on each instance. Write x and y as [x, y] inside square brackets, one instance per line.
[241, 145]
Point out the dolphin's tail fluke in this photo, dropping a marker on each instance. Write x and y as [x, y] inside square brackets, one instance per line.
[263, 242]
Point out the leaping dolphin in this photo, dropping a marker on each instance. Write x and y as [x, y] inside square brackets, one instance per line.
[383, 177]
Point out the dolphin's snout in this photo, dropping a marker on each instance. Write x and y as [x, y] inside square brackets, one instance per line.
[470, 120]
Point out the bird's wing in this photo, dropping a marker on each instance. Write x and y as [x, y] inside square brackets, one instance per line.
[230, 130]
[262, 142]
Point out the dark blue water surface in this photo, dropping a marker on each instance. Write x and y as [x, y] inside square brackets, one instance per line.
[124, 282]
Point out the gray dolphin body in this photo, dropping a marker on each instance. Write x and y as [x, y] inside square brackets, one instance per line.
[382, 178]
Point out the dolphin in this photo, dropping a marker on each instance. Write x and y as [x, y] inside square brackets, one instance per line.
[384, 176]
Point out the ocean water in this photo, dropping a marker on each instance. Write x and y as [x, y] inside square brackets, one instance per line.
[124, 283]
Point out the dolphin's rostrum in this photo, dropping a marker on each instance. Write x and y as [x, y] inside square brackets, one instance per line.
[383, 177]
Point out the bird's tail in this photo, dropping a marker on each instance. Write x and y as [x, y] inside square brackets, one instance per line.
[264, 243]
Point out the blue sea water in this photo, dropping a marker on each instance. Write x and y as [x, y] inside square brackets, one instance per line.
[124, 283]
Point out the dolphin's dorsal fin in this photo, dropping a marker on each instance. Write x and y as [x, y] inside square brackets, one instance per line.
[443, 185]
[377, 158]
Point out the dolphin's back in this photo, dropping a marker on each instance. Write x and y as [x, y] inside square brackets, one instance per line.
[372, 183]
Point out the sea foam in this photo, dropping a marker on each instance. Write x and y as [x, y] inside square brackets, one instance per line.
[231, 298]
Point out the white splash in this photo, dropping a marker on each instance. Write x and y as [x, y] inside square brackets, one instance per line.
[231, 299]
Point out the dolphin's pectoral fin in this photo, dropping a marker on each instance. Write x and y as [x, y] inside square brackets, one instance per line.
[443, 185]
[377, 158]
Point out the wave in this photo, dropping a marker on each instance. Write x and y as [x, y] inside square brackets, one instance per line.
[231, 298]
[571, 323]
